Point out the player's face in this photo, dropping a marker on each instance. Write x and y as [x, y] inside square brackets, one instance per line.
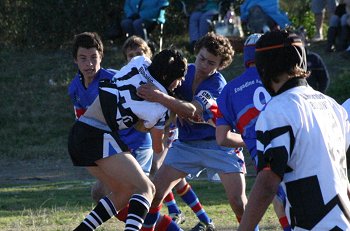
[206, 63]
[176, 83]
[88, 61]
[131, 53]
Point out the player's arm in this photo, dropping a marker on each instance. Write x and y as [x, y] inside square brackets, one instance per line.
[225, 137]
[159, 149]
[150, 93]
[260, 197]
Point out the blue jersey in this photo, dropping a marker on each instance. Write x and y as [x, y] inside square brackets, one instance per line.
[214, 84]
[82, 98]
[240, 103]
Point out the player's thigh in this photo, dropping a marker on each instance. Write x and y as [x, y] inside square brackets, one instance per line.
[165, 179]
[234, 184]
[124, 169]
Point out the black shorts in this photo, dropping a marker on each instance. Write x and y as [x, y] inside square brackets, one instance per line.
[87, 144]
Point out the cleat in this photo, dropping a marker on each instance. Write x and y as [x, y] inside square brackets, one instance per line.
[201, 226]
[178, 218]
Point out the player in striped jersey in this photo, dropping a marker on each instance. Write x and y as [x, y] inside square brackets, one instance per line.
[302, 138]
[95, 143]
[196, 147]
[84, 88]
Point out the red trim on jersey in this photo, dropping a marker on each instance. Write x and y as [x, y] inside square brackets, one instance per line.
[79, 112]
[246, 118]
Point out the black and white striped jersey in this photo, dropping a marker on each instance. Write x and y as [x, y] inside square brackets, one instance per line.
[303, 136]
[120, 104]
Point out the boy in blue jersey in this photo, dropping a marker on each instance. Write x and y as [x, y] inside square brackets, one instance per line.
[83, 90]
[240, 103]
[94, 141]
[196, 147]
[88, 54]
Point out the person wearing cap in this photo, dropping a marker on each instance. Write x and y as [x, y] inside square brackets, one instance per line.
[302, 138]
[240, 103]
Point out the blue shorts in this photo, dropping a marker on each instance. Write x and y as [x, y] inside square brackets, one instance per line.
[144, 156]
[193, 156]
[317, 6]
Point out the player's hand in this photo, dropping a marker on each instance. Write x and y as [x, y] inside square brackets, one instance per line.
[148, 92]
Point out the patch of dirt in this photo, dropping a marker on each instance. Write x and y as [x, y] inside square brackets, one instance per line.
[42, 170]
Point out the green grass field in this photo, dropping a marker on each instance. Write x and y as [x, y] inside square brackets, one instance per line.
[39, 189]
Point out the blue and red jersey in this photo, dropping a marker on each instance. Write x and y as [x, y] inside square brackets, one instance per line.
[83, 97]
[240, 104]
[214, 84]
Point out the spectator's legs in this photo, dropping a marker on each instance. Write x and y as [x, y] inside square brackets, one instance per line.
[138, 27]
[334, 23]
[318, 24]
[344, 32]
[194, 26]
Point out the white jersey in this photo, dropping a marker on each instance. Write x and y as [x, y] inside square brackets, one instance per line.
[303, 136]
[130, 107]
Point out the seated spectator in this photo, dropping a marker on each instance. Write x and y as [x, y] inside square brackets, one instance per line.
[200, 20]
[263, 15]
[334, 28]
[142, 14]
[319, 77]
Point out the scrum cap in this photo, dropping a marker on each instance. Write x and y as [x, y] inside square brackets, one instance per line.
[249, 48]
[279, 52]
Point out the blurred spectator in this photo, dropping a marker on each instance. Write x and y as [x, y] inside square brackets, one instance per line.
[334, 28]
[345, 29]
[319, 77]
[263, 15]
[200, 19]
[142, 14]
[318, 7]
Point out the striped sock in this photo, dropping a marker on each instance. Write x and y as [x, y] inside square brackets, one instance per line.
[100, 214]
[170, 202]
[191, 199]
[138, 208]
[151, 219]
[167, 224]
[122, 214]
[285, 224]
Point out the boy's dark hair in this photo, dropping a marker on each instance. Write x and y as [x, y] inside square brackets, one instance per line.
[133, 42]
[279, 52]
[217, 45]
[87, 40]
[167, 66]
